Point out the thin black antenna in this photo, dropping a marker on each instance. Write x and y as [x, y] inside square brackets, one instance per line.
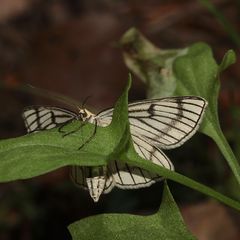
[85, 101]
[51, 95]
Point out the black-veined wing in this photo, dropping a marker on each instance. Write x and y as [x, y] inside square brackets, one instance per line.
[166, 123]
[37, 118]
[130, 177]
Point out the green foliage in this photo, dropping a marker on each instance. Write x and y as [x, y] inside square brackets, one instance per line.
[38, 153]
[189, 71]
[194, 71]
[166, 224]
[41, 152]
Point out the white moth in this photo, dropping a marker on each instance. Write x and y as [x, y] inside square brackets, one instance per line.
[155, 124]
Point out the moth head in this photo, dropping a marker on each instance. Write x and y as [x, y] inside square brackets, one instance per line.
[84, 114]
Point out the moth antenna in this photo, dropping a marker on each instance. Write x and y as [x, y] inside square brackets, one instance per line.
[51, 95]
[85, 101]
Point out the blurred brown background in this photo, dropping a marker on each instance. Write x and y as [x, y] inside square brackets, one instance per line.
[69, 46]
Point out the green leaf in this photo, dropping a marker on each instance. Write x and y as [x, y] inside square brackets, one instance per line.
[38, 153]
[151, 64]
[167, 224]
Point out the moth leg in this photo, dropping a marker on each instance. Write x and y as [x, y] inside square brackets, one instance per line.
[91, 137]
[63, 125]
[75, 130]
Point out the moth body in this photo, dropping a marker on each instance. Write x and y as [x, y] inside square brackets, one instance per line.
[155, 124]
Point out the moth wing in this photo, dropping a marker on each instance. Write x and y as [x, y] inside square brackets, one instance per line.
[42, 118]
[132, 177]
[79, 175]
[166, 123]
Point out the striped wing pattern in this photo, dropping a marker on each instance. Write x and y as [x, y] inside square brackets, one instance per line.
[166, 123]
[42, 118]
[118, 174]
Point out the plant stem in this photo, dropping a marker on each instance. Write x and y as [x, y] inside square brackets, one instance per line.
[179, 178]
[217, 135]
[206, 190]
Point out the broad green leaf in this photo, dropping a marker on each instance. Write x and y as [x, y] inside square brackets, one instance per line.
[151, 64]
[38, 153]
[166, 224]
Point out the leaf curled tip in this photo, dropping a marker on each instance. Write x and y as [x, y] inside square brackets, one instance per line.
[228, 59]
